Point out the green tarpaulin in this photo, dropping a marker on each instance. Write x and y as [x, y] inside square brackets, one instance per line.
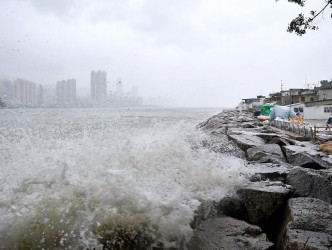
[266, 109]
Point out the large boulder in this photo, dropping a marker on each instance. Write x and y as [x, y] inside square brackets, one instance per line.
[249, 125]
[207, 209]
[263, 199]
[310, 183]
[266, 153]
[245, 119]
[219, 143]
[268, 136]
[228, 233]
[307, 156]
[268, 171]
[246, 141]
[232, 207]
[229, 148]
[307, 225]
[281, 141]
[273, 149]
[219, 131]
[213, 123]
[255, 154]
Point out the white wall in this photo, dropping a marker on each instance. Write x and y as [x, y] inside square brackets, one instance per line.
[316, 113]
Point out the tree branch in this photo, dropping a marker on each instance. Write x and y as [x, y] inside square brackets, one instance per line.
[301, 24]
[328, 3]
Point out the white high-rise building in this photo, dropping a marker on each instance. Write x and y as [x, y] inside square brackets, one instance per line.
[20, 93]
[98, 86]
[25, 92]
[6, 90]
[66, 92]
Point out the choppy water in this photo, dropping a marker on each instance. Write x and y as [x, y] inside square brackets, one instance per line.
[94, 178]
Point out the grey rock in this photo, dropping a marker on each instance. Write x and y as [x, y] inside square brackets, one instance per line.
[206, 210]
[266, 153]
[233, 129]
[306, 240]
[307, 157]
[308, 225]
[263, 199]
[217, 136]
[213, 123]
[249, 125]
[281, 141]
[238, 129]
[269, 171]
[228, 233]
[267, 129]
[220, 131]
[254, 154]
[268, 136]
[246, 141]
[245, 119]
[232, 207]
[273, 149]
[229, 148]
[219, 143]
[311, 183]
[327, 173]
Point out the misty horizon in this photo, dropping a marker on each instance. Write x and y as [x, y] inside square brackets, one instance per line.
[202, 53]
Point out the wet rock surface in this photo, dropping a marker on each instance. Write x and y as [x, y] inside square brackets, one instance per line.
[300, 155]
[232, 207]
[266, 153]
[262, 199]
[287, 197]
[308, 225]
[310, 183]
[228, 233]
[246, 141]
[269, 171]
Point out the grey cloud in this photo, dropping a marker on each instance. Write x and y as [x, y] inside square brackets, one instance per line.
[57, 7]
[201, 52]
[165, 21]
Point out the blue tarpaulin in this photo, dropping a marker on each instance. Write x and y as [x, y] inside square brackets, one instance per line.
[282, 112]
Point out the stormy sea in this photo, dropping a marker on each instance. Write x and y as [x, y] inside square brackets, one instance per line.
[107, 178]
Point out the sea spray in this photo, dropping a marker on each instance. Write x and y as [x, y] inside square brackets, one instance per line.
[103, 178]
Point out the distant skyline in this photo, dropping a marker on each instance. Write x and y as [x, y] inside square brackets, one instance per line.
[200, 52]
[98, 86]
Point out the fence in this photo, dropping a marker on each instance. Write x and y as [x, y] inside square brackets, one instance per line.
[304, 130]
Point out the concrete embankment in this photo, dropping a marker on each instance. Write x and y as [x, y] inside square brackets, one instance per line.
[287, 204]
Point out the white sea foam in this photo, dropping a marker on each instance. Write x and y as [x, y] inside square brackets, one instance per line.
[70, 179]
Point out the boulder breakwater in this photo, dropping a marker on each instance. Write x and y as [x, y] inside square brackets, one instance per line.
[287, 204]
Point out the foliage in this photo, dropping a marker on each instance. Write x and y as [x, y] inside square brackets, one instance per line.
[326, 84]
[301, 24]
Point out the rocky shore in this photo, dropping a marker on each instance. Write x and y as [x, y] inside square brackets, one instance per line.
[287, 204]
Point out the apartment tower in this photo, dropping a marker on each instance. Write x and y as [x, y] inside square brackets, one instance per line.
[66, 93]
[98, 86]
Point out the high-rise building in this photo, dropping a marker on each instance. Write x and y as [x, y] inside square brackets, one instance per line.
[66, 93]
[98, 86]
[6, 90]
[20, 93]
[25, 92]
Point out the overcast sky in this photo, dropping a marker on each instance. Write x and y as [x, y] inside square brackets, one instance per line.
[199, 52]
